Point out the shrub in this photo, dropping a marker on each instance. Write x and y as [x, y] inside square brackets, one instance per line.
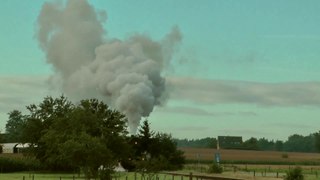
[294, 174]
[285, 155]
[215, 168]
[18, 164]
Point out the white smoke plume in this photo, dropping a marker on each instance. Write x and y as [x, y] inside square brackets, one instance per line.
[128, 75]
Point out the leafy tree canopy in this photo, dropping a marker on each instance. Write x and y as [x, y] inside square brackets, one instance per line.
[74, 136]
[14, 126]
[155, 151]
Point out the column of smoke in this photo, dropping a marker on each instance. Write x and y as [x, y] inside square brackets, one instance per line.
[125, 74]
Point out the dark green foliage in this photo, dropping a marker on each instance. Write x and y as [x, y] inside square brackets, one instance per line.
[197, 143]
[164, 146]
[14, 126]
[66, 137]
[155, 152]
[294, 174]
[18, 164]
[215, 168]
[295, 143]
[299, 143]
[317, 141]
[251, 144]
[278, 146]
[265, 145]
[144, 139]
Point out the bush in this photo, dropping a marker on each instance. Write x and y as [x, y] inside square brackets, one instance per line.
[215, 168]
[18, 164]
[294, 174]
[285, 155]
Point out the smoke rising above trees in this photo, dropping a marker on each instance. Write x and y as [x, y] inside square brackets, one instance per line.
[127, 74]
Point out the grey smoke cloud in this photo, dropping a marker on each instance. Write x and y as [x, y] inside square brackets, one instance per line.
[127, 74]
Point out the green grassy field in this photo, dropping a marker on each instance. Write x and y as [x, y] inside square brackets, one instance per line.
[36, 176]
[52, 176]
[138, 176]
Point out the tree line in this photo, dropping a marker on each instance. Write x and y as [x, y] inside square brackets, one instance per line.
[89, 137]
[294, 143]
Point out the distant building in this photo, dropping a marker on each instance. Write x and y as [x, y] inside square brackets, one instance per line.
[9, 148]
[229, 142]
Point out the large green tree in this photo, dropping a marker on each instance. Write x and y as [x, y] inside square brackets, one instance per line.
[317, 141]
[251, 144]
[83, 136]
[14, 126]
[158, 151]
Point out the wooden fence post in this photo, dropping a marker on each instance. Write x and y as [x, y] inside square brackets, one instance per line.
[254, 173]
[190, 176]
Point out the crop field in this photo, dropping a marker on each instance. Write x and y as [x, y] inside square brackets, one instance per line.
[204, 154]
[254, 164]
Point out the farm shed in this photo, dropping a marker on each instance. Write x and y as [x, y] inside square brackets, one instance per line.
[13, 147]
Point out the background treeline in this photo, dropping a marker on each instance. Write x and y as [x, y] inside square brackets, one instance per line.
[294, 143]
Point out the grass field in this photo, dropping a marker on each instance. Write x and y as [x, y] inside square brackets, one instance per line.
[37, 176]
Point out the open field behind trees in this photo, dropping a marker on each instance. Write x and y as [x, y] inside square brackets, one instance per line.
[206, 154]
[248, 164]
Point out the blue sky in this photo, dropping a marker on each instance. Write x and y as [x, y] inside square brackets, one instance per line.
[247, 68]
